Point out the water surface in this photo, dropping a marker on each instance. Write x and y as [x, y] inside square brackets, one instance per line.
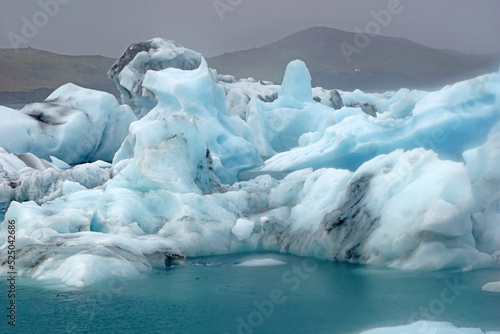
[212, 295]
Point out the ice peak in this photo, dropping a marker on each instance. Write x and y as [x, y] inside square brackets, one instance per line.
[297, 82]
[157, 54]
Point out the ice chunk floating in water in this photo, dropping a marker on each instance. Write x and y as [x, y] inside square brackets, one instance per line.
[492, 287]
[403, 179]
[260, 263]
[427, 327]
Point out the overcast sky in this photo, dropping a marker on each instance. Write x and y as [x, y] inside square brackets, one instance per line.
[107, 27]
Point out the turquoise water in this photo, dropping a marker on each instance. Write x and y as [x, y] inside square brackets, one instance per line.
[212, 295]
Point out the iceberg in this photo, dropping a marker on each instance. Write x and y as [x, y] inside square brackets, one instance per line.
[449, 122]
[404, 179]
[74, 124]
[482, 166]
[239, 93]
[12, 168]
[24, 177]
[375, 215]
[194, 93]
[156, 54]
[277, 126]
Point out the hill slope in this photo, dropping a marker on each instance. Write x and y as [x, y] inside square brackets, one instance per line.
[30, 74]
[386, 63]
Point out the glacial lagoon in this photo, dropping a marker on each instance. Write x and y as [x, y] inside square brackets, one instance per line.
[287, 295]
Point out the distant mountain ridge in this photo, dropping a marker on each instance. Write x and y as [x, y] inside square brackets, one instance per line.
[386, 63]
[28, 75]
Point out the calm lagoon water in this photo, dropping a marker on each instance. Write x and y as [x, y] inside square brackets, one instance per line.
[212, 295]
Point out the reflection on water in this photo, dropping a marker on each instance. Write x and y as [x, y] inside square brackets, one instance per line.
[213, 295]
